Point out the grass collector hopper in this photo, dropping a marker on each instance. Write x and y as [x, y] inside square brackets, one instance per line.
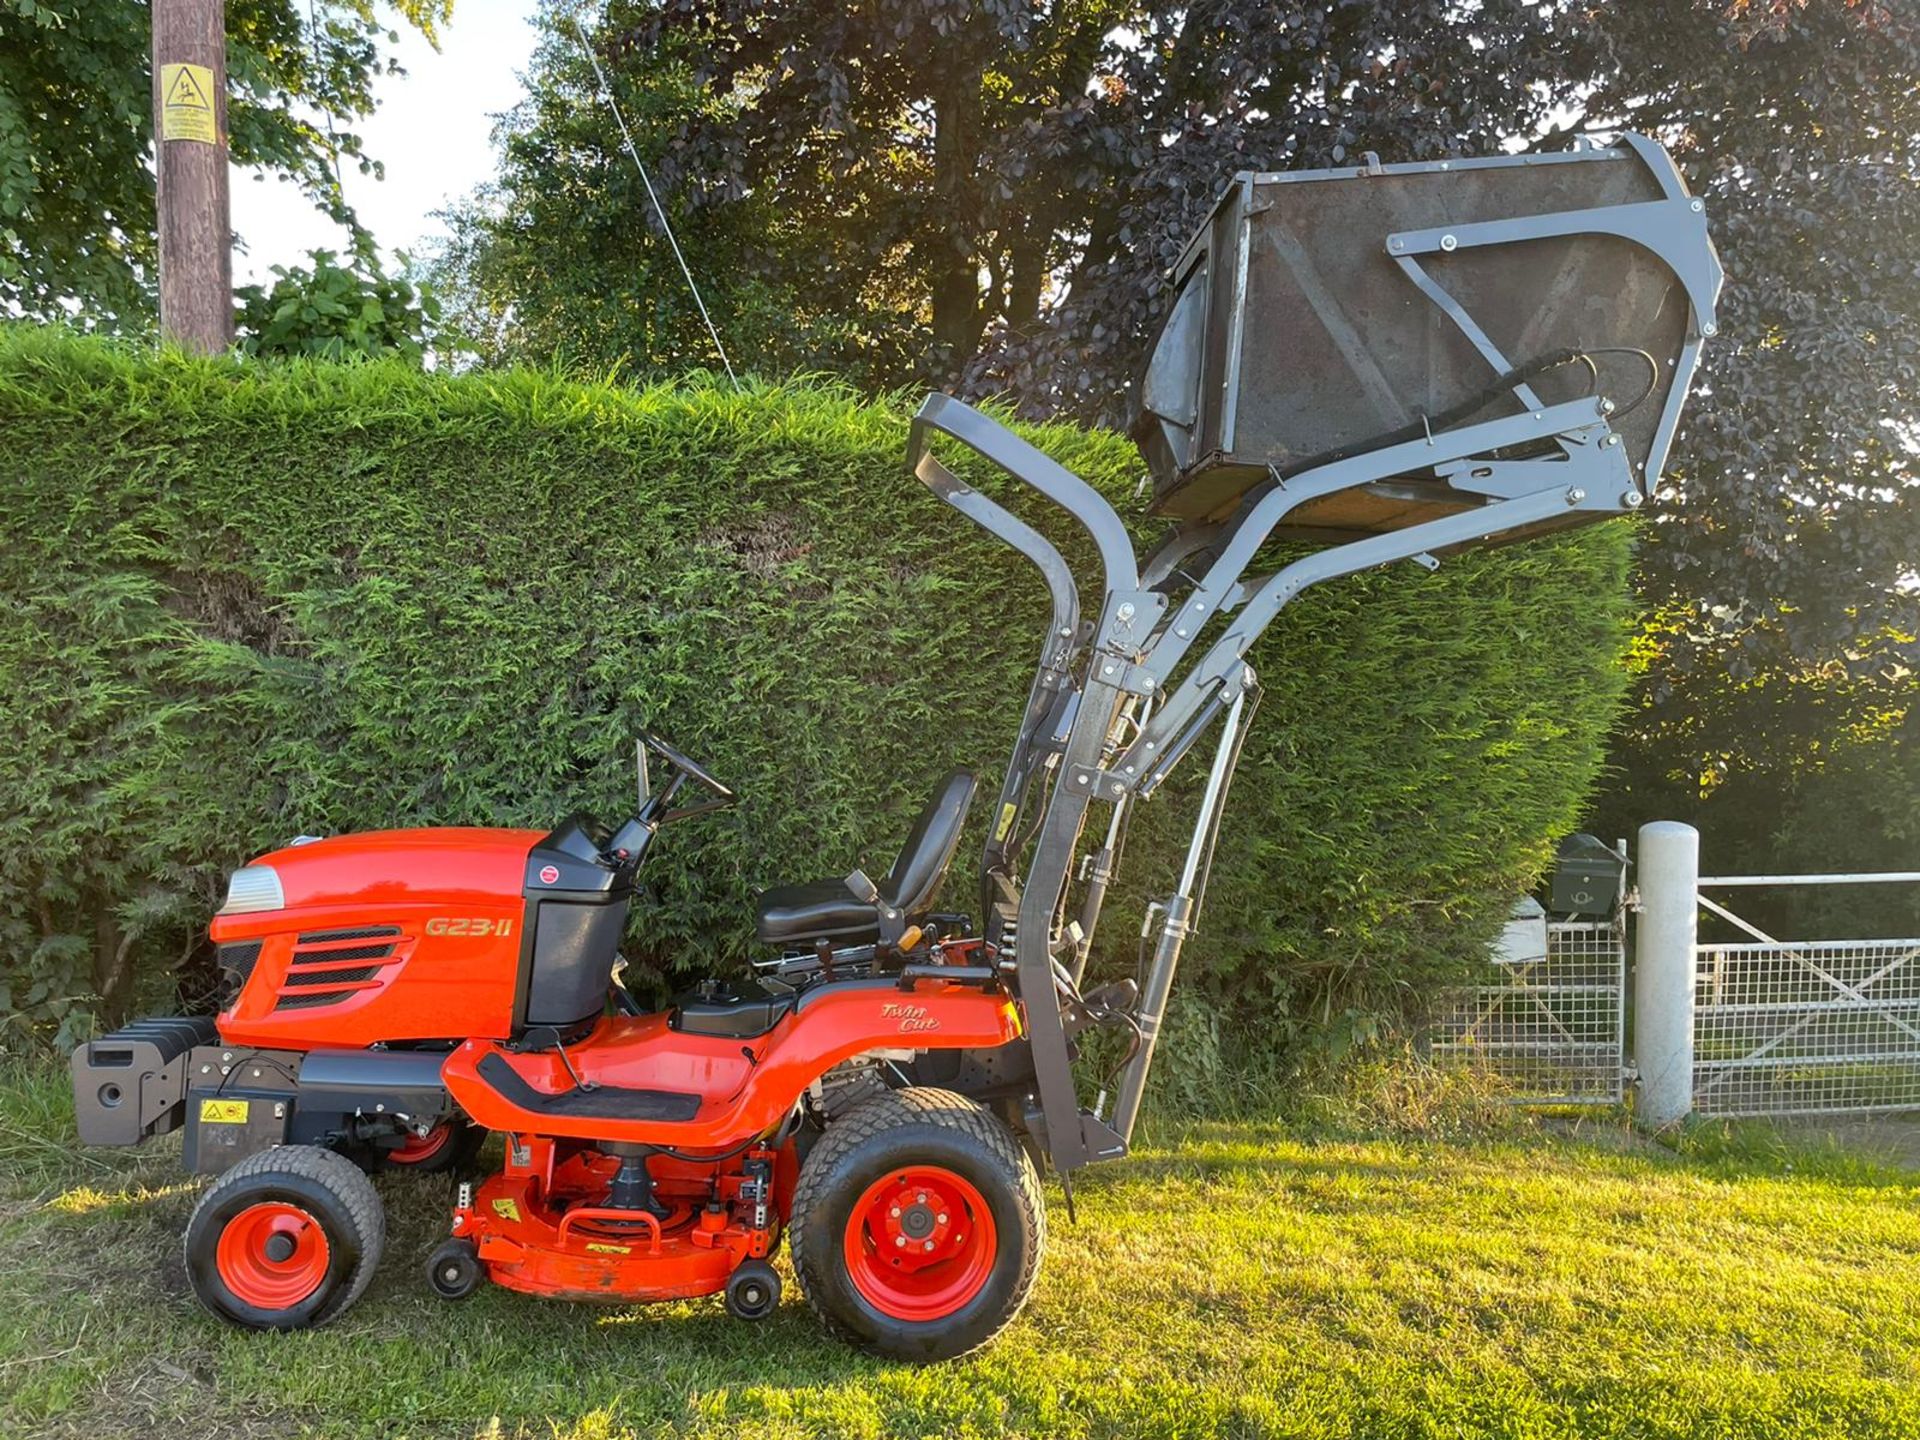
[1398, 360]
[1319, 313]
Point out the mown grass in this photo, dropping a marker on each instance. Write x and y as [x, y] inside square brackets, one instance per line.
[1244, 1281]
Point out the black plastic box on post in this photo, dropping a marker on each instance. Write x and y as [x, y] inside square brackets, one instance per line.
[1587, 877]
[1317, 311]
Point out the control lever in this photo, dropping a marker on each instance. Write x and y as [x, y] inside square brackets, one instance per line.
[623, 1000]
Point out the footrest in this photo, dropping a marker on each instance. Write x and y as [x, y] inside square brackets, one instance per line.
[607, 1102]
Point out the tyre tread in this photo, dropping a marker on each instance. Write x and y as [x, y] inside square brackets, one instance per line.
[950, 1111]
[334, 1173]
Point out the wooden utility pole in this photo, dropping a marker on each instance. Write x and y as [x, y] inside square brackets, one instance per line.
[190, 142]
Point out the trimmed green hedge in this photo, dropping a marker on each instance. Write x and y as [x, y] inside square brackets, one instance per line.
[239, 603]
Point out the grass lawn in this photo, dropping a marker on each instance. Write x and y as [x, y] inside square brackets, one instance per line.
[1246, 1281]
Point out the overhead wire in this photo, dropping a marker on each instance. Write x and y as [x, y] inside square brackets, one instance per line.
[666, 225]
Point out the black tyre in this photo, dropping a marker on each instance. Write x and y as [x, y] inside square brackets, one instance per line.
[454, 1270]
[753, 1291]
[918, 1226]
[286, 1239]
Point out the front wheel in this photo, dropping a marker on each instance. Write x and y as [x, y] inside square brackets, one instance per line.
[287, 1238]
[918, 1225]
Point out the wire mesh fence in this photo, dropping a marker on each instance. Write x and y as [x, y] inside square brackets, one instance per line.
[1551, 1028]
[1819, 1027]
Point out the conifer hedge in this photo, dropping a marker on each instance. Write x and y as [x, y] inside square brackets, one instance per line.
[240, 603]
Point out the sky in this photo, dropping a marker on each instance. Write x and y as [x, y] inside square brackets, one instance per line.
[431, 128]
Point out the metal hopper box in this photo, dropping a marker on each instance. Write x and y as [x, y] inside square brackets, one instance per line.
[1325, 313]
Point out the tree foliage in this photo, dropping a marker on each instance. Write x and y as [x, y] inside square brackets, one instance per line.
[1800, 122]
[77, 236]
[564, 255]
[1029, 171]
[1781, 570]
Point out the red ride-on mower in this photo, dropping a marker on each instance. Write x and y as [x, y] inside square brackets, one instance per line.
[885, 1088]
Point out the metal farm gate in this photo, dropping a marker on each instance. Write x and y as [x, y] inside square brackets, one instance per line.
[1551, 1027]
[1794, 1027]
[1755, 1027]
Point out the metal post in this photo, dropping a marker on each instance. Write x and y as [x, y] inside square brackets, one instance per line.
[1100, 865]
[190, 147]
[1663, 980]
[1176, 924]
[1099, 874]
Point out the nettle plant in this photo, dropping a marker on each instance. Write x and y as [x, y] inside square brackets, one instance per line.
[335, 311]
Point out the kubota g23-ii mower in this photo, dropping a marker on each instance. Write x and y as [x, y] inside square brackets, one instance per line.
[1399, 361]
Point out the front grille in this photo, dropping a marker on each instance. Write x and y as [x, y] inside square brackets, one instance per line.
[364, 932]
[237, 959]
[347, 952]
[322, 963]
[348, 976]
[307, 999]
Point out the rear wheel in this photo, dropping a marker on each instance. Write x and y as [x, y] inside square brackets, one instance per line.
[450, 1145]
[918, 1225]
[286, 1239]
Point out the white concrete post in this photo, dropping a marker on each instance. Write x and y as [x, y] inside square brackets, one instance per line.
[1663, 971]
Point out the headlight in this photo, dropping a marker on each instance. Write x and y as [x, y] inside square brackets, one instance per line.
[251, 888]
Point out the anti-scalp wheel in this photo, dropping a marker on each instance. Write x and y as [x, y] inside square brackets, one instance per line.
[753, 1291]
[454, 1270]
[286, 1239]
[918, 1225]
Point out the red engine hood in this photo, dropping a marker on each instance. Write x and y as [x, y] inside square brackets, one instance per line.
[389, 865]
[432, 920]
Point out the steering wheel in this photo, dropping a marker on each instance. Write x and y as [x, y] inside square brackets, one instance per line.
[692, 770]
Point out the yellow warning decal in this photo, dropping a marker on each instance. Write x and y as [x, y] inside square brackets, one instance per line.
[507, 1210]
[223, 1112]
[599, 1249]
[186, 103]
[1007, 812]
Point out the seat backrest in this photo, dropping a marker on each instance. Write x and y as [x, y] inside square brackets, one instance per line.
[913, 883]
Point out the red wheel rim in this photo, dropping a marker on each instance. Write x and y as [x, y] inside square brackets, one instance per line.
[272, 1255]
[418, 1149]
[920, 1243]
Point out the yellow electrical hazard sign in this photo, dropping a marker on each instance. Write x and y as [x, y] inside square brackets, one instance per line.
[186, 103]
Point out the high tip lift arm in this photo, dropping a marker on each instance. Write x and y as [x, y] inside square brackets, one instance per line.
[1111, 711]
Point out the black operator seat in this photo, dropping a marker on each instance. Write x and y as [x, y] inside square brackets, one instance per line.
[826, 909]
